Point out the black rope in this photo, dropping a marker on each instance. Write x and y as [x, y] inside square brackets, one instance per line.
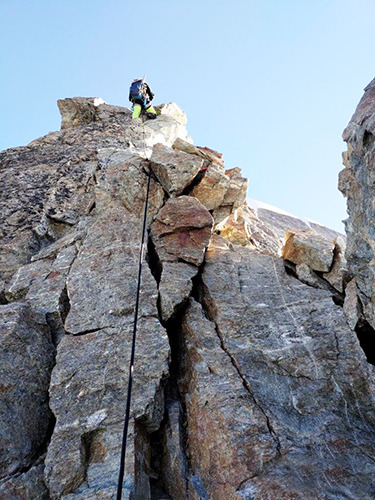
[132, 356]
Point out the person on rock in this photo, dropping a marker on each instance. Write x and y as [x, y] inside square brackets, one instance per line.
[140, 95]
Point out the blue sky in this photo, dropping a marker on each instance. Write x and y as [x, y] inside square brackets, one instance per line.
[269, 83]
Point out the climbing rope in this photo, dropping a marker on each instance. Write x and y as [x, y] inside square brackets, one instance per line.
[132, 355]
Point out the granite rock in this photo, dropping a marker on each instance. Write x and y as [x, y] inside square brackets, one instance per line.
[175, 170]
[182, 230]
[307, 247]
[212, 188]
[338, 273]
[25, 485]
[357, 182]
[303, 367]
[27, 357]
[249, 382]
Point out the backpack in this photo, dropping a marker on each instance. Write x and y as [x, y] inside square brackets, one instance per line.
[137, 90]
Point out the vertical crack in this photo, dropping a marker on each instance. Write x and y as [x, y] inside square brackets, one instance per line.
[169, 444]
[366, 337]
[200, 294]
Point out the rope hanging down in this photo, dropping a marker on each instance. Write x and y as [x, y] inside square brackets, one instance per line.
[132, 356]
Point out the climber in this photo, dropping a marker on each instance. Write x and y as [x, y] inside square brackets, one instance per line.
[140, 95]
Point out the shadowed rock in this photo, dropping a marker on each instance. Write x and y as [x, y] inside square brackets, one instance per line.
[27, 356]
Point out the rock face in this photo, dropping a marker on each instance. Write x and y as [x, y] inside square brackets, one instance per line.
[251, 380]
[27, 355]
[356, 182]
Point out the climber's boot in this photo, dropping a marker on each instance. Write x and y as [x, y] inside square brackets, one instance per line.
[136, 111]
[150, 113]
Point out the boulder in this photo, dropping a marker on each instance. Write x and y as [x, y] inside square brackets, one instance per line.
[182, 230]
[236, 193]
[175, 170]
[78, 111]
[173, 111]
[307, 247]
[212, 188]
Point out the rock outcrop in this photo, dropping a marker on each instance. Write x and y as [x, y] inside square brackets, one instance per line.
[251, 380]
[357, 184]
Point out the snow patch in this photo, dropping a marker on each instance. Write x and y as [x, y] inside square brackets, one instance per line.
[256, 204]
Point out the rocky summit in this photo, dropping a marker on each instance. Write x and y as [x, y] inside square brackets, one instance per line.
[254, 374]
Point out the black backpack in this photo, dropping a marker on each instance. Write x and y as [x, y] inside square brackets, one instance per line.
[137, 90]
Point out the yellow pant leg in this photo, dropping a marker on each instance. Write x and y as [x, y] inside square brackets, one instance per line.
[136, 111]
[150, 112]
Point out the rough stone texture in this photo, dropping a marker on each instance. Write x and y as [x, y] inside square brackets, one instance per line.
[27, 355]
[281, 222]
[25, 486]
[338, 273]
[307, 275]
[172, 110]
[352, 308]
[122, 180]
[95, 395]
[103, 279]
[357, 182]
[261, 234]
[187, 147]
[174, 467]
[306, 247]
[211, 190]
[248, 384]
[74, 209]
[78, 111]
[42, 284]
[182, 230]
[175, 170]
[235, 228]
[220, 190]
[175, 286]
[29, 217]
[220, 414]
[302, 367]
[236, 194]
[267, 227]
[216, 157]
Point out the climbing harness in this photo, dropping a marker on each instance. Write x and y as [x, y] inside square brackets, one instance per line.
[132, 355]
